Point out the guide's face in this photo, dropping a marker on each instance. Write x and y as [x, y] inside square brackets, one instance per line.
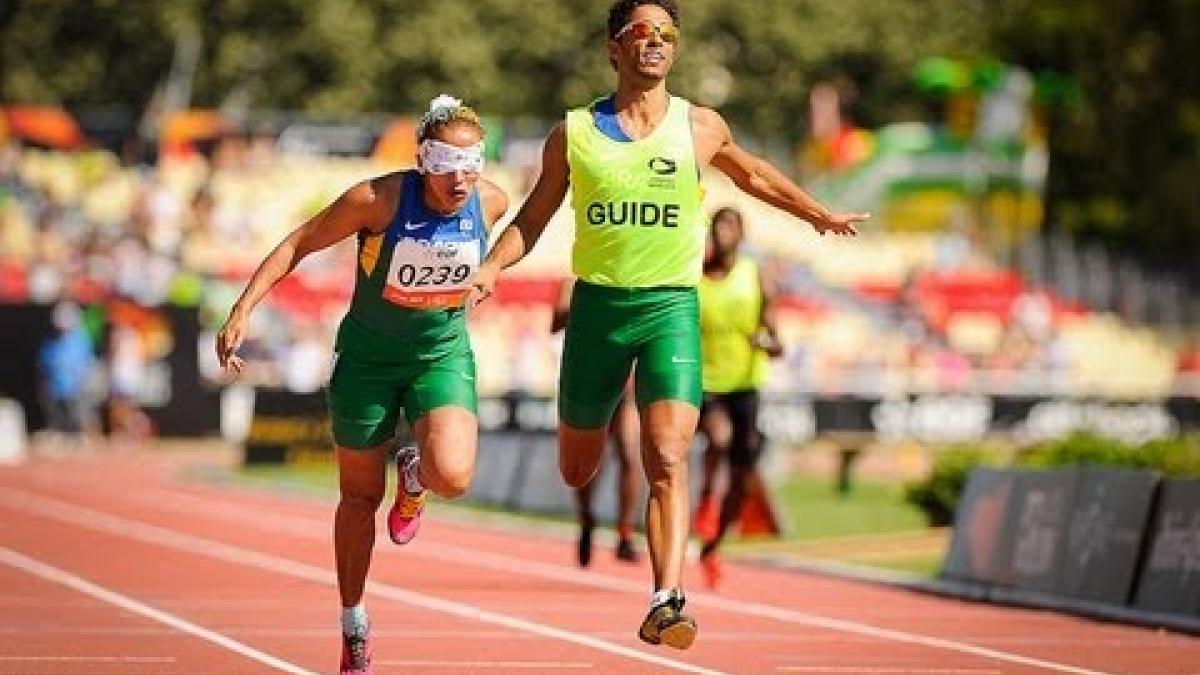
[645, 47]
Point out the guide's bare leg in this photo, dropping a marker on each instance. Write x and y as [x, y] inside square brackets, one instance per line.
[667, 431]
[580, 452]
[624, 430]
[361, 479]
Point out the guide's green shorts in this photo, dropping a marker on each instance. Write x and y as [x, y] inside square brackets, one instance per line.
[376, 376]
[608, 329]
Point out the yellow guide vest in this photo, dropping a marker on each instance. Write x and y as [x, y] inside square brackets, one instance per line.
[638, 221]
[729, 318]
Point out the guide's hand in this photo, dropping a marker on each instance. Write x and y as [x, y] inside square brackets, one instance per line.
[841, 223]
[482, 286]
[228, 341]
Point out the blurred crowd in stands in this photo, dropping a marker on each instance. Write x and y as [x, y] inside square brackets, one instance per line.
[885, 314]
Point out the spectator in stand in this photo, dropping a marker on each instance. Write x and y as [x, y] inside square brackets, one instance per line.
[1187, 368]
[64, 362]
[204, 249]
[16, 234]
[51, 257]
[1189, 358]
[303, 362]
[128, 359]
[1034, 313]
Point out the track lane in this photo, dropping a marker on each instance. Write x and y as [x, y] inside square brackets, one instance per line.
[522, 575]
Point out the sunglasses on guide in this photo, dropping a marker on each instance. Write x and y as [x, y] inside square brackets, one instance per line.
[644, 28]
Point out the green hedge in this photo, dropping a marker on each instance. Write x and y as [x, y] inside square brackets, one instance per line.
[938, 494]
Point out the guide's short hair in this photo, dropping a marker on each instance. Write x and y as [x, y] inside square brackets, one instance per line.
[621, 10]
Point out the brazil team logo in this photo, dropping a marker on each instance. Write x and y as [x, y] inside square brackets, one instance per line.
[663, 166]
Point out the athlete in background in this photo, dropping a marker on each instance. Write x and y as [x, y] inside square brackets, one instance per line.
[737, 335]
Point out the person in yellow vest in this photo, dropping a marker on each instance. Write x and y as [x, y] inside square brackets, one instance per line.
[623, 428]
[737, 335]
[633, 161]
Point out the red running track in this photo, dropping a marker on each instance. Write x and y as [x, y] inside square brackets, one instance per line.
[117, 563]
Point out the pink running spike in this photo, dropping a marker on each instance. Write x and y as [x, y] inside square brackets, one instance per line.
[404, 519]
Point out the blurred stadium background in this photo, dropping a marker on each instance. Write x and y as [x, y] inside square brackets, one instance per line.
[1030, 271]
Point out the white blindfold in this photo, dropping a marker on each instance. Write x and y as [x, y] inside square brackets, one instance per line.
[437, 157]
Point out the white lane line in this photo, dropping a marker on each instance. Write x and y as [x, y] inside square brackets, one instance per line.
[305, 527]
[50, 573]
[410, 634]
[561, 573]
[131, 529]
[556, 665]
[92, 659]
[887, 670]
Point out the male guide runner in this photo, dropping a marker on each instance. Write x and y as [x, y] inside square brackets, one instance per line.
[633, 160]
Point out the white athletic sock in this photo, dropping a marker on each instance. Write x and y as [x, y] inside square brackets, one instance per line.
[410, 468]
[660, 597]
[354, 620]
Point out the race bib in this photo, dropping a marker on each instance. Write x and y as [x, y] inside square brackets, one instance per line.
[423, 275]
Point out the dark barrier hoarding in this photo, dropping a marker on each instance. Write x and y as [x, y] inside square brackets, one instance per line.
[1082, 539]
[951, 418]
[169, 389]
[1071, 532]
[1170, 573]
[190, 407]
[501, 467]
[181, 404]
[519, 470]
[1108, 523]
[1118, 544]
[1035, 529]
[26, 328]
[797, 419]
[979, 527]
[932, 417]
[288, 428]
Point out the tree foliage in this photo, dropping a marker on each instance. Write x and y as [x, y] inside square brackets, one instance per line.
[1124, 154]
[757, 60]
